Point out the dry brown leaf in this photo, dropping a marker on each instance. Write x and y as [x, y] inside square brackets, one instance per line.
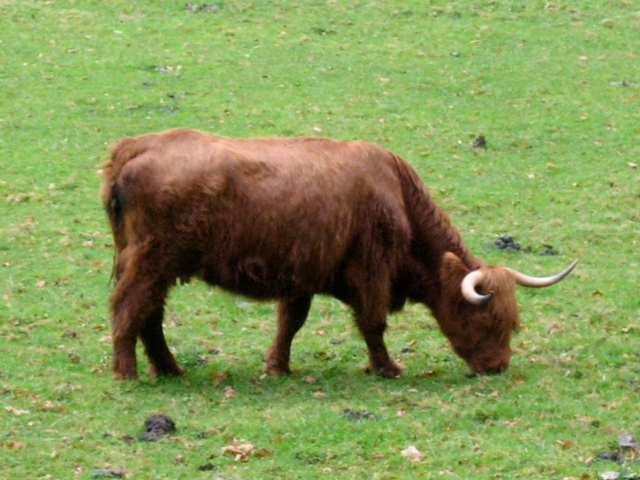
[239, 451]
[14, 445]
[229, 392]
[412, 454]
[263, 452]
[15, 411]
[217, 376]
[563, 444]
[554, 327]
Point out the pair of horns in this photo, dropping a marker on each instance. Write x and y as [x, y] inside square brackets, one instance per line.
[473, 279]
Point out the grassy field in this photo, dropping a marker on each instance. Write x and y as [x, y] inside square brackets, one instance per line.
[554, 88]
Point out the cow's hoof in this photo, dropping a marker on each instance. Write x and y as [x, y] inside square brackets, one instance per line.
[167, 372]
[387, 371]
[276, 370]
[125, 376]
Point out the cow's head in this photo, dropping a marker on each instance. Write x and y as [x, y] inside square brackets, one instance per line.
[478, 310]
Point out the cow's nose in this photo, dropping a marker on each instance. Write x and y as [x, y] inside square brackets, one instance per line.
[492, 369]
[497, 370]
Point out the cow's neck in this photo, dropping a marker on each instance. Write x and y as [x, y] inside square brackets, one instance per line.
[433, 236]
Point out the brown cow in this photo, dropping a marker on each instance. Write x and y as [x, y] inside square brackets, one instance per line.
[285, 219]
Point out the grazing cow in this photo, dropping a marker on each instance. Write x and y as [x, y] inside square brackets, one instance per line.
[285, 219]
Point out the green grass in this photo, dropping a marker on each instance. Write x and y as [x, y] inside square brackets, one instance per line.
[552, 85]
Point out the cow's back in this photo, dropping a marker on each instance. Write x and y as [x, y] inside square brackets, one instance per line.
[263, 216]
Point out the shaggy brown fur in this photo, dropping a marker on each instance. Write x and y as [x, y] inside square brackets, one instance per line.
[285, 219]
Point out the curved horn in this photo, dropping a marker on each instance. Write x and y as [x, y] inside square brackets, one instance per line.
[468, 286]
[527, 281]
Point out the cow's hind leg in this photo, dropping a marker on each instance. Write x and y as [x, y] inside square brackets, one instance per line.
[137, 303]
[291, 316]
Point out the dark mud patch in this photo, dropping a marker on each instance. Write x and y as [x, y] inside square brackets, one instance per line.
[508, 243]
[157, 426]
[625, 456]
[202, 7]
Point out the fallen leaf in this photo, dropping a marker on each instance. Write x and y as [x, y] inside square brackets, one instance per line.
[263, 452]
[217, 376]
[627, 441]
[16, 411]
[554, 327]
[610, 475]
[563, 444]
[239, 451]
[412, 454]
[632, 165]
[229, 392]
[14, 445]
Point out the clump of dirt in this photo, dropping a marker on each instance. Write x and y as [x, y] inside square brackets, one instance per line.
[157, 426]
[625, 456]
[202, 7]
[548, 250]
[505, 242]
[508, 243]
[107, 473]
[351, 415]
[480, 142]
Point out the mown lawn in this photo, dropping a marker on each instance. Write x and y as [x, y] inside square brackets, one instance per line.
[553, 86]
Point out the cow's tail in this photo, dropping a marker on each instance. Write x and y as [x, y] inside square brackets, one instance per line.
[112, 192]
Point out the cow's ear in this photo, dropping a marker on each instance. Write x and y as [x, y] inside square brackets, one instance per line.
[452, 272]
[452, 267]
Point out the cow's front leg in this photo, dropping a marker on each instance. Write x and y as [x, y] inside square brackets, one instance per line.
[291, 317]
[372, 324]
